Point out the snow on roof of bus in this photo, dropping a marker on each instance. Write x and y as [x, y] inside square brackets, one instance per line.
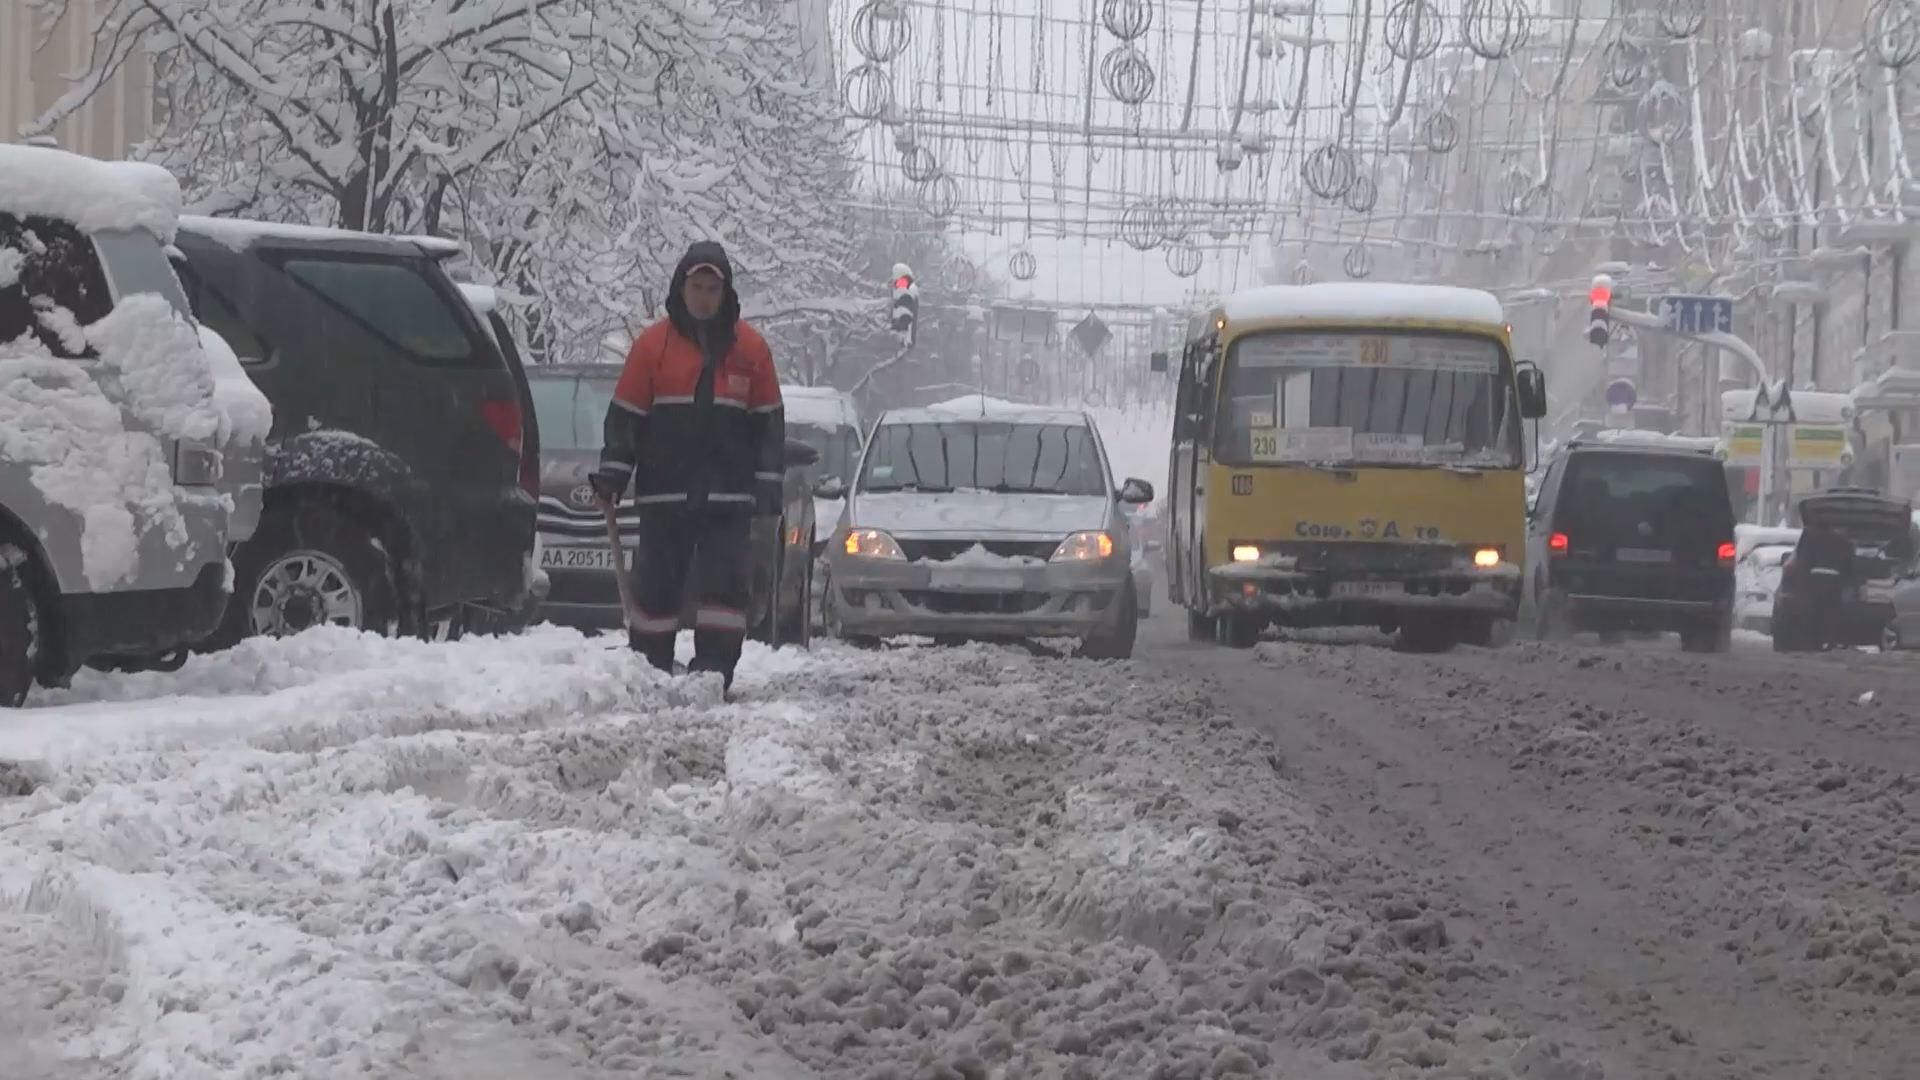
[1363, 301]
[981, 407]
[40, 181]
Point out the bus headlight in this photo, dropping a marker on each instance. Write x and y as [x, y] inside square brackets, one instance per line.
[1246, 553]
[1486, 558]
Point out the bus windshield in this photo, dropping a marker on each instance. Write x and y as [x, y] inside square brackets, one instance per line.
[1381, 398]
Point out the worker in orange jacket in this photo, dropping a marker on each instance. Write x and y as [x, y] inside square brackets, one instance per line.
[697, 432]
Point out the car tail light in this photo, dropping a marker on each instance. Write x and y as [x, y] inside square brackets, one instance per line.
[1728, 552]
[503, 418]
[1558, 544]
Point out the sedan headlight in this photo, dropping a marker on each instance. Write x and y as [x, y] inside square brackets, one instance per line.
[872, 544]
[1085, 547]
[195, 464]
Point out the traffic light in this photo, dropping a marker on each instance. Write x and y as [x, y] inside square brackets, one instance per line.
[1599, 321]
[906, 301]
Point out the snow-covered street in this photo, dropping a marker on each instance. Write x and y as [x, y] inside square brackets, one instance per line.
[336, 855]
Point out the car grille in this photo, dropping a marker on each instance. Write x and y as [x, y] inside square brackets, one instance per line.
[986, 603]
[560, 520]
[577, 587]
[944, 550]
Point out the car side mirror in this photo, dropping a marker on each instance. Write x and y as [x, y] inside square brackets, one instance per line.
[830, 487]
[1532, 387]
[1135, 492]
[800, 454]
[1157, 363]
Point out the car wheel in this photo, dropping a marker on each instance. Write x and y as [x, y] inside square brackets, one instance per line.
[1239, 630]
[1117, 644]
[307, 565]
[798, 624]
[1201, 627]
[1429, 634]
[1717, 638]
[19, 631]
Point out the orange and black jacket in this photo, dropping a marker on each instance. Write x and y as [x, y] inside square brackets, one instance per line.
[696, 416]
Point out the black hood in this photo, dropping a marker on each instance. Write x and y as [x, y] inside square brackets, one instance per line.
[710, 253]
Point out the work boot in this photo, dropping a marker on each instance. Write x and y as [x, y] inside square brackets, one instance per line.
[656, 648]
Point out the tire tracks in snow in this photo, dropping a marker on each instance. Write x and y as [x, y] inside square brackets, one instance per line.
[1654, 844]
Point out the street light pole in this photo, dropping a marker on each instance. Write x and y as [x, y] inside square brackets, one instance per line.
[1769, 431]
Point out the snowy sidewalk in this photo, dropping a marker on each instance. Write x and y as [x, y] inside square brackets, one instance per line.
[340, 855]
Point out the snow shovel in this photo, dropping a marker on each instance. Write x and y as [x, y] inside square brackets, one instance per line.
[620, 576]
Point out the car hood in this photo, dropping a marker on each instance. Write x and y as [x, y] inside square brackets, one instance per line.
[563, 477]
[969, 513]
[1862, 518]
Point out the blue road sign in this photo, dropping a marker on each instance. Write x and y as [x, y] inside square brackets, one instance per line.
[1698, 314]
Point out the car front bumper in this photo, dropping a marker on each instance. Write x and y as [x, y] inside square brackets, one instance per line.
[887, 598]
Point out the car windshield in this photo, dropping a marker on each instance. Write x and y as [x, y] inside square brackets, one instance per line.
[1293, 398]
[837, 447]
[1009, 458]
[572, 410]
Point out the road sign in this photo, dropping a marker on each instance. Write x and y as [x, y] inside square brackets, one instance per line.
[1091, 333]
[1698, 314]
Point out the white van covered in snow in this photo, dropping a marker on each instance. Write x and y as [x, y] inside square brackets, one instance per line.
[130, 441]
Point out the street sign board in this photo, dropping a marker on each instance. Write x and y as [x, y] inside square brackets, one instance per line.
[1745, 443]
[1686, 314]
[1818, 446]
[1091, 333]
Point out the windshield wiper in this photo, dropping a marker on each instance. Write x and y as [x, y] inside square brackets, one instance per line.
[1023, 489]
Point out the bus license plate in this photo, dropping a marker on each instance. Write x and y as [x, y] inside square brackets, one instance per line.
[1365, 588]
[1643, 555]
[576, 558]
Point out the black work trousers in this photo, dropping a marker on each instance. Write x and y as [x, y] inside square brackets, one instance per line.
[698, 555]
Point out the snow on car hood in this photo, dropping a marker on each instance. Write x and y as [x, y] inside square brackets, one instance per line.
[56, 419]
[980, 513]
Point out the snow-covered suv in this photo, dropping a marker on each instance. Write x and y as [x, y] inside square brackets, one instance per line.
[130, 454]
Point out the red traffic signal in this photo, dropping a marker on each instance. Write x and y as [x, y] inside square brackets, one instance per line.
[903, 282]
[1602, 294]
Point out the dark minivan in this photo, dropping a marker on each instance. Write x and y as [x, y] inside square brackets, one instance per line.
[396, 497]
[1633, 537]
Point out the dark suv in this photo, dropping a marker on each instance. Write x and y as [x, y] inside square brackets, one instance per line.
[1628, 537]
[396, 494]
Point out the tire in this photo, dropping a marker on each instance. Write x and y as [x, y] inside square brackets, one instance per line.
[1118, 644]
[329, 570]
[1717, 638]
[1239, 630]
[19, 631]
[798, 629]
[1202, 627]
[1429, 634]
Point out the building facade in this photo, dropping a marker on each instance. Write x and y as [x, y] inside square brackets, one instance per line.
[41, 54]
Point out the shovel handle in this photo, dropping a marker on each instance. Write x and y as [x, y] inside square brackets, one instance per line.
[621, 579]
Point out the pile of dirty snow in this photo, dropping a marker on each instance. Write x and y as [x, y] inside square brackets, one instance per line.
[538, 857]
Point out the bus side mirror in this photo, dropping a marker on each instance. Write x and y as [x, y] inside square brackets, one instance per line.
[1532, 386]
[1157, 363]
